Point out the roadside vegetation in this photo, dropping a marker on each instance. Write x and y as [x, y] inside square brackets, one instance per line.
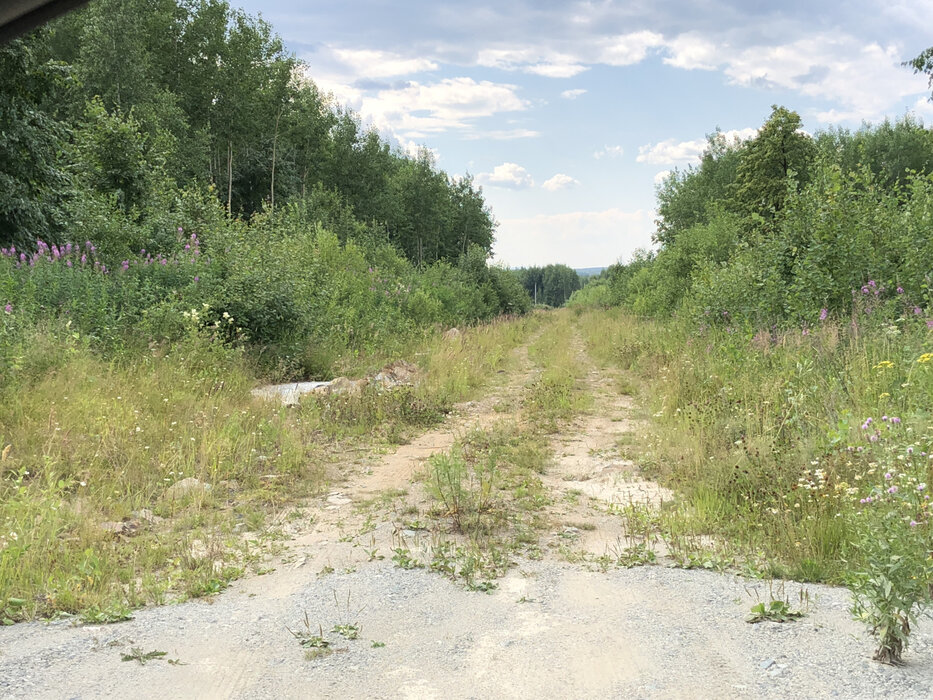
[184, 216]
[781, 340]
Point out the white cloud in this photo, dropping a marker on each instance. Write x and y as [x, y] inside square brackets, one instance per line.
[379, 64]
[672, 152]
[690, 51]
[502, 134]
[546, 63]
[863, 79]
[625, 49]
[559, 182]
[609, 152]
[661, 176]
[556, 70]
[508, 175]
[453, 103]
[578, 239]
[573, 94]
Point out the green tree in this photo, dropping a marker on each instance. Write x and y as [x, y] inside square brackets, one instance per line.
[768, 162]
[34, 180]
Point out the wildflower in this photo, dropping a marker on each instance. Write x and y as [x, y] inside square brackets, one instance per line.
[910, 450]
[913, 523]
[893, 489]
[900, 290]
[84, 259]
[884, 364]
[8, 308]
[921, 486]
[917, 311]
[884, 418]
[895, 420]
[929, 323]
[924, 358]
[197, 279]
[888, 476]
[871, 283]
[180, 229]
[823, 314]
[864, 290]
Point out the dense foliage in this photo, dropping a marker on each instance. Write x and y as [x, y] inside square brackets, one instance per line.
[161, 156]
[785, 227]
[551, 285]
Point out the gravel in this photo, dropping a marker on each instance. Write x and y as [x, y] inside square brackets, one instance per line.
[549, 630]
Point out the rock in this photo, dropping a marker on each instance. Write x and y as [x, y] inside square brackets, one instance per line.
[766, 664]
[350, 387]
[189, 486]
[396, 374]
[289, 394]
[147, 516]
[338, 499]
[452, 334]
[127, 528]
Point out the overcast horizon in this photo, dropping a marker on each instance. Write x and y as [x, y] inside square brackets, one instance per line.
[568, 113]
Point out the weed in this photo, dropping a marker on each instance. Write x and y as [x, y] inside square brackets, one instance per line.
[404, 560]
[142, 657]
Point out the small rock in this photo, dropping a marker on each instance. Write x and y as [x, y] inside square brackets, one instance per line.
[342, 385]
[452, 334]
[766, 664]
[338, 499]
[186, 487]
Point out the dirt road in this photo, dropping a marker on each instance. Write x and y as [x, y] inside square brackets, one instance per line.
[557, 626]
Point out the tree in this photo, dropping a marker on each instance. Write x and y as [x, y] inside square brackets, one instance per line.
[34, 180]
[687, 197]
[779, 151]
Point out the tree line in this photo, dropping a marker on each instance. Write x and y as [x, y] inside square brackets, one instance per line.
[125, 114]
[788, 227]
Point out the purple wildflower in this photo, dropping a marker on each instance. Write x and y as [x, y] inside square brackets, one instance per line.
[895, 420]
[900, 290]
[823, 314]
[913, 523]
[917, 311]
[893, 489]
[8, 308]
[888, 476]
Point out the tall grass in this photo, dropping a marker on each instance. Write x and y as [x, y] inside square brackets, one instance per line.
[764, 432]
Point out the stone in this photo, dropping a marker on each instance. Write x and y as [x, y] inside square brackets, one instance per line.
[452, 334]
[350, 387]
[396, 374]
[189, 486]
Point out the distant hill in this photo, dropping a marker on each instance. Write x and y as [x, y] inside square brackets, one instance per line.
[589, 271]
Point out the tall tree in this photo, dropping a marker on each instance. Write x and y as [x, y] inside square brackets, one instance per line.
[33, 176]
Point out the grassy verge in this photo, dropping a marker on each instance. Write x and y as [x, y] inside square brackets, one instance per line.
[774, 439]
[152, 479]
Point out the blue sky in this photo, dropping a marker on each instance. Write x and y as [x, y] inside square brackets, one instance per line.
[567, 113]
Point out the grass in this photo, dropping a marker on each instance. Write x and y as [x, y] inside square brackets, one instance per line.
[89, 449]
[761, 432]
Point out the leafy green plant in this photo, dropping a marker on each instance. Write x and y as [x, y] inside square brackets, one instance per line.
[774, 611]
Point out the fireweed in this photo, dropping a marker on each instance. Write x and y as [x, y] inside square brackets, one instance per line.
[892, 535]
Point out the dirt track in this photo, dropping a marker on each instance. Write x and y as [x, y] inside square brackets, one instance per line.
[550, 629]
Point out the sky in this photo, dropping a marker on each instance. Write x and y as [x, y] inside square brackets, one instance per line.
[569, 113]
